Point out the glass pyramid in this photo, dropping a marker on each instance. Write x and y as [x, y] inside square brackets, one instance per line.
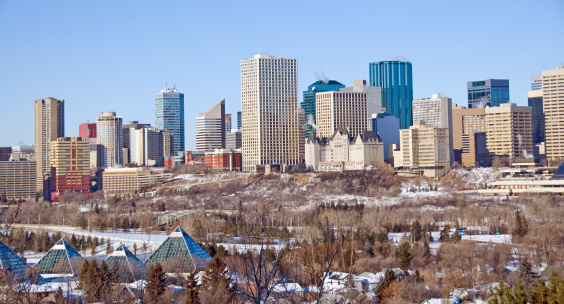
[124, 266]
[559, 174]
[9, 260]
[59, 259]
[179, 253]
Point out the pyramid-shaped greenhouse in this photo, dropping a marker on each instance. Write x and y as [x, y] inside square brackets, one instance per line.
[124, 265]
[9, 260]
[179, 253]
[59, 259]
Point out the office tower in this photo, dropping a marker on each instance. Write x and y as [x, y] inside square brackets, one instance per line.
[553, 103]
[466, 121]
[395, 79]
[49, 125]
[128, 129]
[423, 149]
[338, 109]
[269, 99]
[488, 93]
[239, 121]
[87, 130]
[308, 103]
[5, 153]
[234, 140]
[436, 112]
[110, 136]
[387, 126]
[509, 131]
[71, 166]
[169, 115]
[536, 82]
[373, 98]
[18, 179]
[210, 128]
[227, 123]
[534, 98]
[150, 146]
[475, 150]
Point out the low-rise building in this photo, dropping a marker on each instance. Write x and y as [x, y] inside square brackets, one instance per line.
[224, 159]
[118, 181]
[342, 152]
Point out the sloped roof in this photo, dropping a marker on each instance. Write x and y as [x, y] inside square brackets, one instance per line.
[180, 249]
[368, 135]
[9, 260]
[124, 265]
[559, 174]
[58, 259]
[330, 82]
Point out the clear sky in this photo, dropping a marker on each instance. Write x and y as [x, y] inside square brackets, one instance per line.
[115, 55]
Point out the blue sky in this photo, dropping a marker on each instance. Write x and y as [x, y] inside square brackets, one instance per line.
[115, 55]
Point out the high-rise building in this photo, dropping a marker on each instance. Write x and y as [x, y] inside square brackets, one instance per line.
[234, 140]
[227, 123]
[18, 179]
[387, 126]
[87, 130]
[5, 153]
[423, 149]
[128, 130]
[373, 98]
[71, 166]
[49, 125]
[269, 99]
[465, 123]
[436, 112]
[509, 131]
[110, 136]
[239, 120]
[341, 109]
[210, 128]
[488, 93]
[534, 98]
[308, 103]
[169, 115]
[536, 82]
[553, 103]
[395, 79]
[150, 146]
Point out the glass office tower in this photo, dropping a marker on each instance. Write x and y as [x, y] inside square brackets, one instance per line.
[169, 115]
[308, 103]
[395, 79]
[488, 93]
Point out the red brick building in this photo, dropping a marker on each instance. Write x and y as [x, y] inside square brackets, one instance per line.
[87, 130]
[224, 159]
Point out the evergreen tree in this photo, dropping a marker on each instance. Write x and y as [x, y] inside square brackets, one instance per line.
[109, 248]
[192, 289]
[445, 234]
[155, 283]
[521, 226]
[59, 298]
[104, 286]
[83, 276]
[215, 283]
[539, 293]
[404, 255]
[521, 295]
[389, 277]
[456, 237]
[416, 231]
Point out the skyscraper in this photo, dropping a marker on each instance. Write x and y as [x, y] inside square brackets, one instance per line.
[509, 131]
[553, 103]
[373, 98]
[395, 79]
[49, 125]
[169, 115]
[308, 103]
[269, 100]
[71, 166]
[210, 128]
[87, 130]
[110, 136]
[488, 93]
[337, 109]
[536, 82]
[239, 120]
[227, 123]
[534, 99]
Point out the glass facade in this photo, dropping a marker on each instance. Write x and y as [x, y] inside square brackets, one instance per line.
[124, 266]
[169, 115]
[308, 103]
[58, 259]
[395, 79]
[488, 93]
[538, 118]
[10, 261]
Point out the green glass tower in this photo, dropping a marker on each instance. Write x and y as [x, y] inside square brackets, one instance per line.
[308, 104]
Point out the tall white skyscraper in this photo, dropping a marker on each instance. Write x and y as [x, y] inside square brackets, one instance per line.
[110, 138]
[269, 101]
[553, 103]
[169, 115]
[210, 128]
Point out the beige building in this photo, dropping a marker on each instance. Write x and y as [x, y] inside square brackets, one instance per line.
[49, 125]
[423, 149]
[373, 98]
[338, 109]
[553, 108]
[466, 122]
[210, 128]
[509, 131]
[118, 181]
[150, 146]
[70, 166]
[270, 122]
[18, 179]
[342, 151]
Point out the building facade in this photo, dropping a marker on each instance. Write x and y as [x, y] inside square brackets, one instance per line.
[119, 181]
[387, 126]
[341, 109]
[110, 138]
[269, 99]
[5, 153]
[396, 80]
[18, 180]
[169, 115]
[342, 152]
[536, 82]
[49, 125]
[509, 131]
[423, 149]
[227, 123]
[553, 103]
[70, 166]
[373, 98]
[465, 121]
[308, 103]
[87, 130]
[239, 121]
[210, 128]
[234, 140]
[534, 99]
[488, 93]
[150, 146]
[224, 160]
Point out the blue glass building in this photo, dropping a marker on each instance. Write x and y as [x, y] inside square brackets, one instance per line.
[387, 126]
[169, 115]
[488, 93]
[308, 104]
[395, 79]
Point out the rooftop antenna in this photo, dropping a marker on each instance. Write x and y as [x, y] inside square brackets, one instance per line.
[174, 86]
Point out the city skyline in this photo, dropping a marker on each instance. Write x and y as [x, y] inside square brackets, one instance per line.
[113, 64]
